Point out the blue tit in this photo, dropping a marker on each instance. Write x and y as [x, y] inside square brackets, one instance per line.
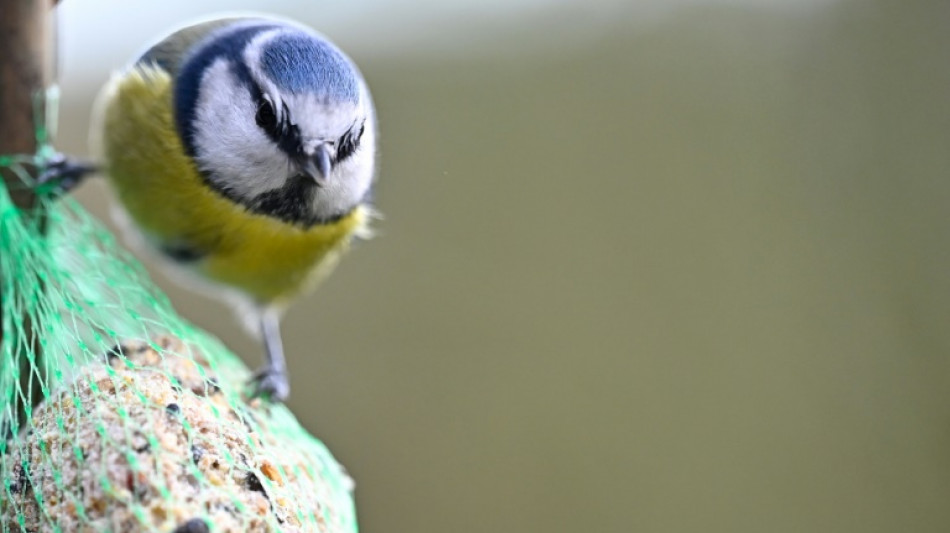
[243, 151]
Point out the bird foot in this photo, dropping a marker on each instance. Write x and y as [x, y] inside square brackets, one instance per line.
[270, 383]
[63, 174]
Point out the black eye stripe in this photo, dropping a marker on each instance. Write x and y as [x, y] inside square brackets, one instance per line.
[266, 117]
[278, 128]
[286, 117]
[349, 142]
[287, 135]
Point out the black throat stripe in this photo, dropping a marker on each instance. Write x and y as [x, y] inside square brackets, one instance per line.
[292, 203]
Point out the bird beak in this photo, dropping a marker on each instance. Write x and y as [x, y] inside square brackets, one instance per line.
[317, 165]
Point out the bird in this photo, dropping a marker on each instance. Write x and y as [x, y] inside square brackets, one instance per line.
[242, 150]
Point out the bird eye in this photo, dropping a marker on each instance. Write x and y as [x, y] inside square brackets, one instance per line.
[348, 143]
[266, 118]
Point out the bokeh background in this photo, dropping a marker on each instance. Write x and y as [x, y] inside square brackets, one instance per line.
[658, 266]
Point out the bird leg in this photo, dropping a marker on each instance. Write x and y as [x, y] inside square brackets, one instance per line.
[270, 381]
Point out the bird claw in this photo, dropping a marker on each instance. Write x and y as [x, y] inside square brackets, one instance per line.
[271, 384]
[62, 174]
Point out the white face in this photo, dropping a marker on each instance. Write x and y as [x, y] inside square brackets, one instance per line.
[240, 158]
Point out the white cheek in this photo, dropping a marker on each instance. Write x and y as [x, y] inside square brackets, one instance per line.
[230, 148]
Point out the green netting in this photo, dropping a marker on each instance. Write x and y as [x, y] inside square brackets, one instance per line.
[117, 415]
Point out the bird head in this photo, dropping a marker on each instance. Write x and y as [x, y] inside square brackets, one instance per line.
[277, 118]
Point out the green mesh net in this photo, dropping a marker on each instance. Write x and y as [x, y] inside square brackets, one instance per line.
[117, 415]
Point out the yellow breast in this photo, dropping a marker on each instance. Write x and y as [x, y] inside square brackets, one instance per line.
[162, 191]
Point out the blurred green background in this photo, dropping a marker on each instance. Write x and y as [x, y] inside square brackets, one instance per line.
[646, 266]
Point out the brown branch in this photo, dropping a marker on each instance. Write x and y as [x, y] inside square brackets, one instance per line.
[26, 64]
[25, 71]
